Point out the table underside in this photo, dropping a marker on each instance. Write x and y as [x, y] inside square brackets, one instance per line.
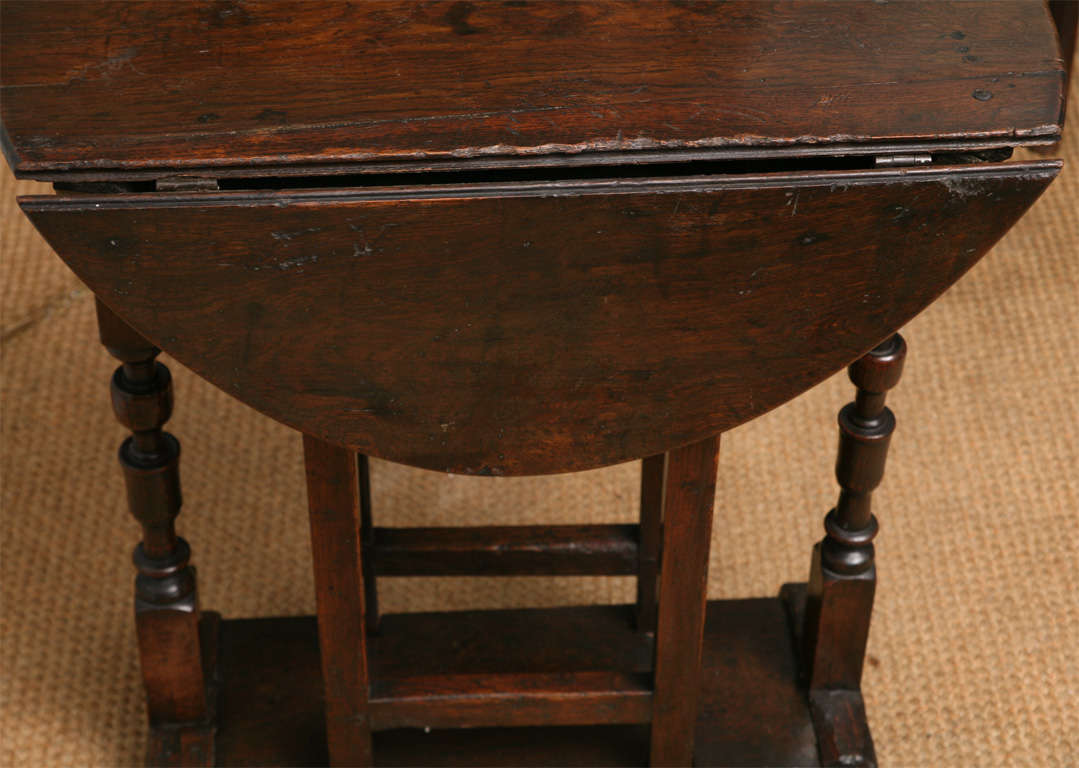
[753, 711]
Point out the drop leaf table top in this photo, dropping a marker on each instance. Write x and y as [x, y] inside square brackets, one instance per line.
[657, 221]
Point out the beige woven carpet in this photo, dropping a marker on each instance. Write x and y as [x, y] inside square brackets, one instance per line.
[974, 651]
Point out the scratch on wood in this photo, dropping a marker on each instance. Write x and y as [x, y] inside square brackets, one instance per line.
[289, 236]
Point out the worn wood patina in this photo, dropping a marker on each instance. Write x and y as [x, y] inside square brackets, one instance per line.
[506, 239]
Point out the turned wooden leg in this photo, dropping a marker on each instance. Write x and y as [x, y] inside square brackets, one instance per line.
[650, 532]
[166, 601]
[843, 577]
[333, 494]
[688, 492]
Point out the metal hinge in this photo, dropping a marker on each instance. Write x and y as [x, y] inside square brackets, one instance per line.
[892, 161]
[186, 184]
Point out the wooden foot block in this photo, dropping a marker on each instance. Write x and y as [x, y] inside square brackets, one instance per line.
[838, 716]
[192, 744]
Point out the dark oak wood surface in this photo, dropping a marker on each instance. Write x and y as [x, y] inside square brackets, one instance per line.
[788, 184]
[650, 539]
[560, 698]
[172, 657]
[507, 642]
[689, 494]
[534, 327]
[753, 712]
[122, 87]
[367, 535]
[333, 496]
[1065, 15]
[522, 550]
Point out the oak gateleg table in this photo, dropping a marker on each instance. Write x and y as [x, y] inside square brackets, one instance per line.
[512, 239]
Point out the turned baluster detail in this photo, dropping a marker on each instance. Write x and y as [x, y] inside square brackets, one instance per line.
[866, 427]
[166, 603]
[843, 577]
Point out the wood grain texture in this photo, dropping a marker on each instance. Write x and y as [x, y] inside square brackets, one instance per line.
[333, 498]
[522, 550]
[121, 87]
[166, 595]
[193, 744]
[1065, 15]
[842, 580]
[509, 642]
[842, 732]
[689, 491]
[509, 700]
[752, 711]
[534, 327]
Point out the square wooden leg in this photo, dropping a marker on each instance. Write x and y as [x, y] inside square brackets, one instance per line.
[650, 533]
[689, 489]
[333, 493]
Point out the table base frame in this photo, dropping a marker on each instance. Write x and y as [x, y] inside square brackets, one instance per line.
[755, 710]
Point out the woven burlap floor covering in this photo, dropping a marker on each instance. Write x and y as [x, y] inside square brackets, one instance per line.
[974, 650]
